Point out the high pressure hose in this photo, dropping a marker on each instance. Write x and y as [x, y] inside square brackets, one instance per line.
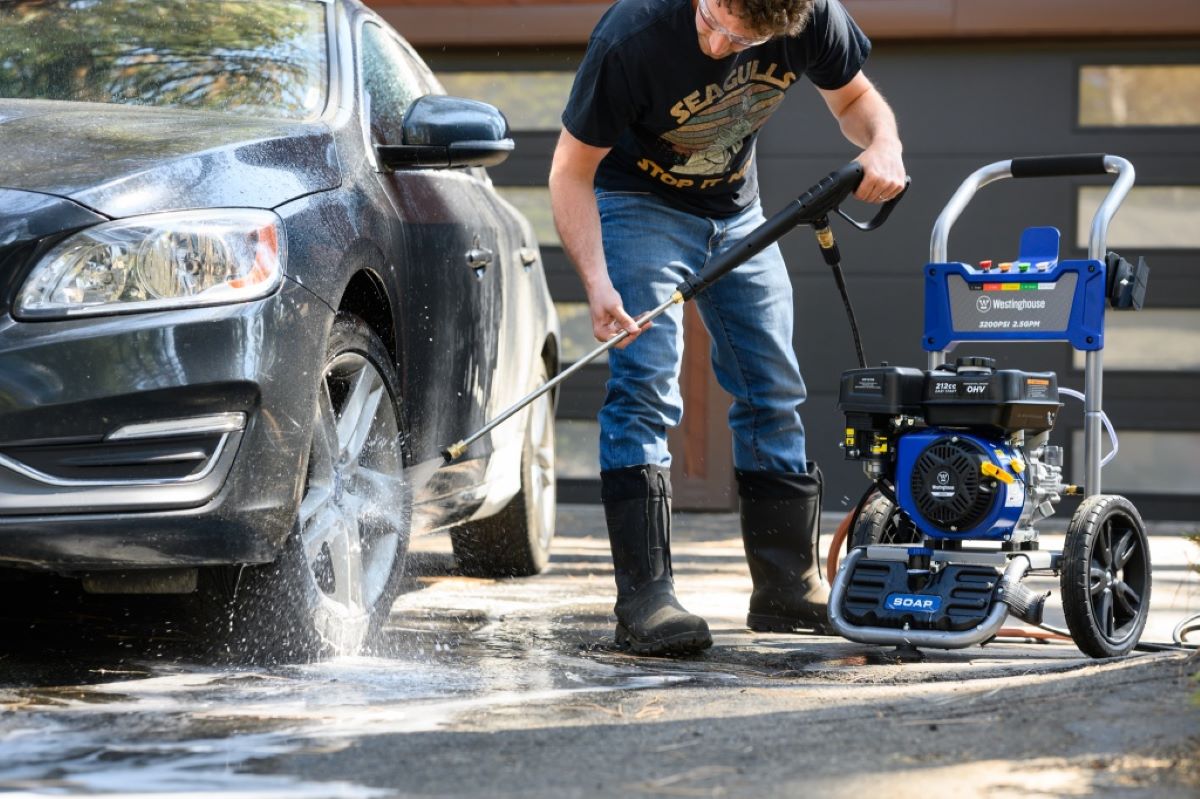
[833, 257]
[1112, 434]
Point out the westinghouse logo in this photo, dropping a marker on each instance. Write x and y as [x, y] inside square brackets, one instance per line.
[985, 304]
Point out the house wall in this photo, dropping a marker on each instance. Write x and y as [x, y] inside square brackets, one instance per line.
[971, 83]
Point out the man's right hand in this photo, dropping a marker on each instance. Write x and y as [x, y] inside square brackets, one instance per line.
[578, 221]
[609, 317]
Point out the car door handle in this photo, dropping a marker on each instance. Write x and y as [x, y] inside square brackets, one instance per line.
[480, 257]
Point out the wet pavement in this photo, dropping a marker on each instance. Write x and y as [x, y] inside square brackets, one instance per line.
[512, 688]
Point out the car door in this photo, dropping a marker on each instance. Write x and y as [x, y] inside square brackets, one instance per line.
[447, 255]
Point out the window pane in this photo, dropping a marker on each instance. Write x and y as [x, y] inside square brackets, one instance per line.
[1149, 462]
[1156, 217]
[530, 100]
[576, 448]
[534, 202]
[1158, 340]
[575, 323]
[1121, 96]
[390, 81]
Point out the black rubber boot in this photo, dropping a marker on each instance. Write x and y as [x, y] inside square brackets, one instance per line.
[780, 513]
[650, 620]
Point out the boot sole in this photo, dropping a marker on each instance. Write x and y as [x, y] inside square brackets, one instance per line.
[762, 623]
[673, 646]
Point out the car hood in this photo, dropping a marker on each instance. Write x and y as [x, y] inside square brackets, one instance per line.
[125, 160]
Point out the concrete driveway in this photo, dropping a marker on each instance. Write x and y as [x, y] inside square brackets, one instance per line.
[512, 688]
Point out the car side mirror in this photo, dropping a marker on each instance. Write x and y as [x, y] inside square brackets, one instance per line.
[441, 132]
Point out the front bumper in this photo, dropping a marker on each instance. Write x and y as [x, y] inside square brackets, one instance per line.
[98, 471]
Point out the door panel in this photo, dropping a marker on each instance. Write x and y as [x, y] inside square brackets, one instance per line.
[447, 251]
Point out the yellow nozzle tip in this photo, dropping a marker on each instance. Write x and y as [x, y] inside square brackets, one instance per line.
[453, 451]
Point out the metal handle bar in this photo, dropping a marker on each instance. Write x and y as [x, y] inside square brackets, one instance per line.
[1039, 167]
[1046, 167]
[1058, 166]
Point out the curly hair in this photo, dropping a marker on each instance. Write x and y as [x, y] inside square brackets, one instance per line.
[775, 17]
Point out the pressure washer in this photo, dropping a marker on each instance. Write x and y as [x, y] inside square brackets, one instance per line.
[958, 454]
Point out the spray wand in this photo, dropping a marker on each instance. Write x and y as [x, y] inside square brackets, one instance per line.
[810, 208]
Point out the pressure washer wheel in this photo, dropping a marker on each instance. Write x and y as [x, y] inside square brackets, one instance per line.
[880, 522]
[1106, 576]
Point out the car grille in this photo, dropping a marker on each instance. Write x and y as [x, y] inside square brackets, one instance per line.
[168, 460]
[171, 463]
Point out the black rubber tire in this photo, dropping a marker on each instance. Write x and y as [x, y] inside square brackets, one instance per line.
[515, 542]
[1105, 576]
[880, 523]
[273, 612]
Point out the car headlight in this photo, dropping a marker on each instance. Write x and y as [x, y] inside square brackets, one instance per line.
[173, 260]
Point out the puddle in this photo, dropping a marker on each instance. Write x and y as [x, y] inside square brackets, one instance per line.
[147, 729]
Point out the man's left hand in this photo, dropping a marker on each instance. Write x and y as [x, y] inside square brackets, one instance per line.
[883, 173]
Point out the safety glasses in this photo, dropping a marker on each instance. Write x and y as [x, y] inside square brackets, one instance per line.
[710, 21]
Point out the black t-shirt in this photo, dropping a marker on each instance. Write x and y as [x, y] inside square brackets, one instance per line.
[681, 124]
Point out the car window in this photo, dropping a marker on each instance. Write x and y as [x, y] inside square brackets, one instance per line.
[428, 80]
[249, 57]
[390, 83]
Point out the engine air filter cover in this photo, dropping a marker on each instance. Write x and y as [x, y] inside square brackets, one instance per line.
[958, 485]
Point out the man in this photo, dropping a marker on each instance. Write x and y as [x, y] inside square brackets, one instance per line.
[653, 175]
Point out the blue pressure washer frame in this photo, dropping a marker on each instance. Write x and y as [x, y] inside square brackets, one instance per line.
[1076, 315]
[1091, 311]
[960, 299]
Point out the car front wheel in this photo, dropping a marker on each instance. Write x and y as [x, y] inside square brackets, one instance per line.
[340, 569]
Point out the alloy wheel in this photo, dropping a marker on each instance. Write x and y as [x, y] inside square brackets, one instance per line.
[351, 516]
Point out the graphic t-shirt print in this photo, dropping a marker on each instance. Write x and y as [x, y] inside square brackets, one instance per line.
[715, 122]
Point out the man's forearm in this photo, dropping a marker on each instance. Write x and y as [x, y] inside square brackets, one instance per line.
[578, 222]
[869, 122]
[866, 120]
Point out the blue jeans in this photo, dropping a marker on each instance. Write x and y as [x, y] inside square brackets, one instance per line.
[651, 247]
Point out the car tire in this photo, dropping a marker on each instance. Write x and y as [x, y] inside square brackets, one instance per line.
[516, 541]
[339, 571]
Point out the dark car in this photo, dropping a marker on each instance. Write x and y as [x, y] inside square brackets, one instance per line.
[253, 276]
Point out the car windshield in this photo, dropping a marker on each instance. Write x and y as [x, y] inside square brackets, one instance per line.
[260, 58]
